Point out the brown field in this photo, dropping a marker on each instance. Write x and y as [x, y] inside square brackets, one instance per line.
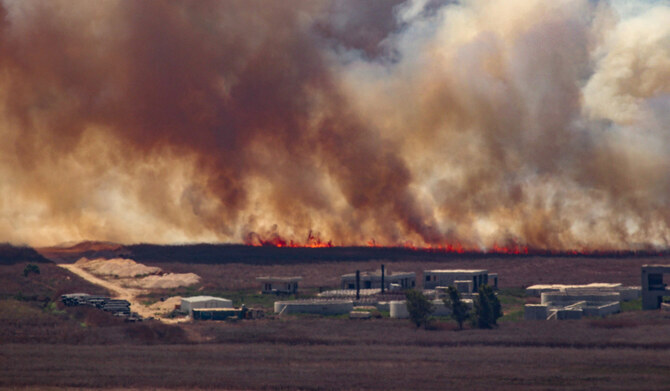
[43, 345]
[521, 272]
[316, 353]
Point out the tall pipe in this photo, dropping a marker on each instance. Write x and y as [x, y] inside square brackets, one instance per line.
[382, 279]
[358, 284]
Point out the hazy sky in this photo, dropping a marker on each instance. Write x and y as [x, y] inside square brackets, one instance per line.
[480, 123]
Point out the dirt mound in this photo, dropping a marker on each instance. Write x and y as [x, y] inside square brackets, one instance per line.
[164, 281]
[136, 275]
[117, 267]
[166, 306]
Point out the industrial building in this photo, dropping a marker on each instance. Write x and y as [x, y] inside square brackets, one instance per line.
[627, 292]
[463, 279]
[279, 285]
[373, 280]
[573, 304]
[653, 287]
[188, 304]
[114, 306]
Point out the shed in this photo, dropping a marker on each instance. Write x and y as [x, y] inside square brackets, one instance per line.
[373, 280]
[190, 303]
[273, 284]
[435, 278]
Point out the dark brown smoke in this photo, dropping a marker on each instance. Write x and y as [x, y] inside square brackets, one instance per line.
[427, 123]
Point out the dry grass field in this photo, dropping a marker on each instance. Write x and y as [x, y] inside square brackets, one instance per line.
[512, 272]
[43, 345]
[322, 354]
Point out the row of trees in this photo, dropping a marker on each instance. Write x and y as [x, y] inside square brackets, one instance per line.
[485, 313]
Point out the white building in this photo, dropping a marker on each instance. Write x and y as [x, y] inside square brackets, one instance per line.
[189, 303]
[286, 285]
[472, 279]
[573, 305]
[373, 280]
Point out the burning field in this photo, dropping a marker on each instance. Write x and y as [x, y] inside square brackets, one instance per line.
[157, 149]
[471, 126]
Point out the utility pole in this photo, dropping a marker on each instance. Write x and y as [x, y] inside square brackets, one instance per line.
[358, 284]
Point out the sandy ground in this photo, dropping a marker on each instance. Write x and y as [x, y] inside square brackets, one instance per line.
[130, 294]
[118, 267]
[136, 275]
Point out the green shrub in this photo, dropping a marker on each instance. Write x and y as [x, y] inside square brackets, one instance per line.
[419, 308]
[459, 310]
[30, 268]
[487, 308]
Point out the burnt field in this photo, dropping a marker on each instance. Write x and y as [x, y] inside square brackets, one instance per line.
[43, 344]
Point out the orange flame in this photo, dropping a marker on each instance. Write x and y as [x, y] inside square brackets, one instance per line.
[275, 240]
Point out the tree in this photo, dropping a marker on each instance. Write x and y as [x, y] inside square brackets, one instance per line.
[419, 308]
[495, 303]
[459, 310]
[487, 308]
[30, 268]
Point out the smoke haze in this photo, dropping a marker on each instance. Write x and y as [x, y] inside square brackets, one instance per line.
[477, 123]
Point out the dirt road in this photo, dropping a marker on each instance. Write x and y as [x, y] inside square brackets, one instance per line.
[120, 292]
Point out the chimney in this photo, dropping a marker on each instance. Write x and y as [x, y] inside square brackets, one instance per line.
[382, 279]
[358, 284]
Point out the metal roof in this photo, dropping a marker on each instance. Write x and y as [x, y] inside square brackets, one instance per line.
[378, 273]
[279, 279]
[196, 299]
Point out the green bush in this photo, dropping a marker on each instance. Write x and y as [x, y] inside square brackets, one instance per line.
[419, 308]
[30, 268]
[459, 310]
[487, 308]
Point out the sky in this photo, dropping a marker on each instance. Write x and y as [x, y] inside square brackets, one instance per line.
[478, 124]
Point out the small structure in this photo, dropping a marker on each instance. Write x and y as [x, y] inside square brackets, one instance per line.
[219, 313]
[627, 292]
[398, 308]
[188, 304]
[320, 307]
[348, 293]
[115, 306]
[279, 285]
[459, 278]
[373, 280]
[653, 287]
[573, 305]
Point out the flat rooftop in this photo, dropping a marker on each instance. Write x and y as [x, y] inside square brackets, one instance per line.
[279, 279]
[593, 285]
[196, 299]
[378, 273]
[457, 271]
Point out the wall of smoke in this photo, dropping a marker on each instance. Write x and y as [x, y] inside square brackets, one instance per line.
[484, 123]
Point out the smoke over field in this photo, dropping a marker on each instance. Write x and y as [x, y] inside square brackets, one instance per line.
[473, 124]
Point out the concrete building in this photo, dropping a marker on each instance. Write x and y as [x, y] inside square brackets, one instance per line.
[627, 292]
[373, 280]
[573, 305]
[188, 304]
[398, 308]
[653, 287]
[279, 285]
[462, 279]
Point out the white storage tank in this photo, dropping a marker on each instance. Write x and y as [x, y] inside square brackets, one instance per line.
[398, 309]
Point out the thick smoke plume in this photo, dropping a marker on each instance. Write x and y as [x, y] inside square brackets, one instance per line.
[471, 123]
